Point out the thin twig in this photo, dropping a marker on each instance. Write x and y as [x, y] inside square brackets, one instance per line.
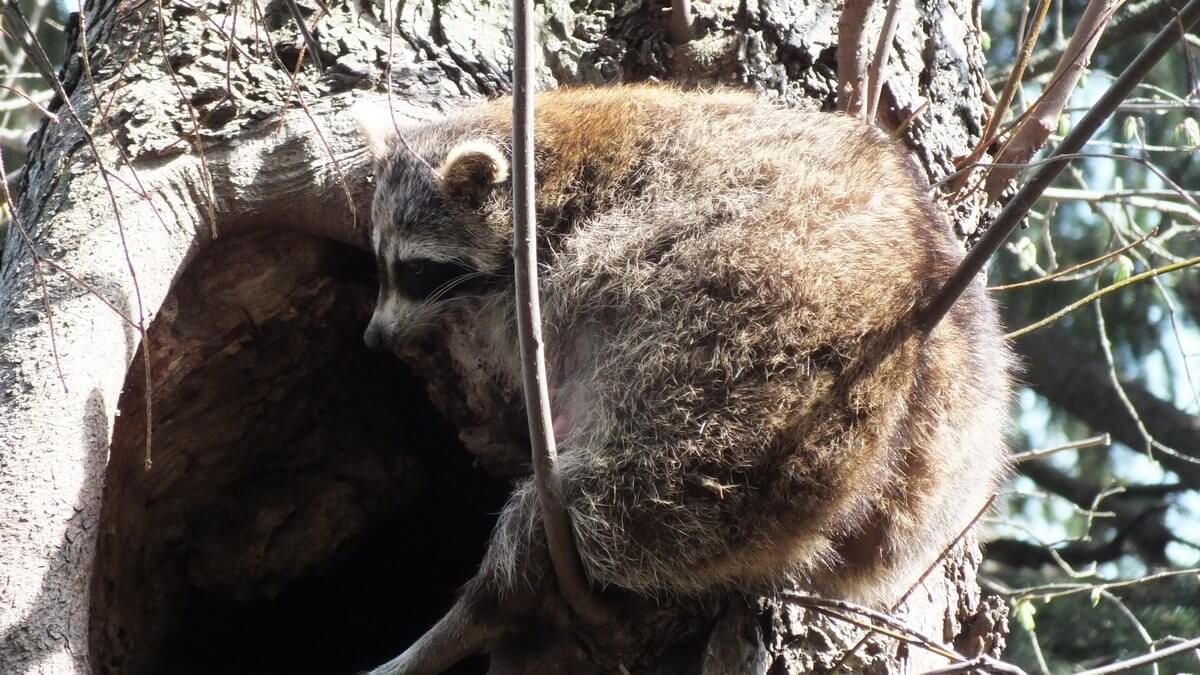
[148, 398]
[886, 620]
[28, 99]
[1138, 147]
[943, 651]
[1136, 18]
[1100, 293]
[1134, 621]
[911, 117]
[1145, 659]
[883, 50]
[1172, 317]
[1152, 443]
[1054, 591]
[564, 556]
[15, 218]
[1074, 268]
[309, 40]
[1037, 653]
[978, 664]
[206, 180]
[1042, 116]
[33, 48]
[1016, 73]
[1130, 197]
[893, 627]
[1014, 212]
[1103, 440]
[1064, 159]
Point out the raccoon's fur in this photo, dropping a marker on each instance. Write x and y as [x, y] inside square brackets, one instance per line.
[741, 394]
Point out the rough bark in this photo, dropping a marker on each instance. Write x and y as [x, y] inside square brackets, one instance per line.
[289, 463]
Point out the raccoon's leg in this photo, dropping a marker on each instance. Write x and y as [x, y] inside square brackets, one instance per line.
[453, 638]
[514, 583]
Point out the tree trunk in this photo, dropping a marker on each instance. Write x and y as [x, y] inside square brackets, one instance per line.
[307, 508]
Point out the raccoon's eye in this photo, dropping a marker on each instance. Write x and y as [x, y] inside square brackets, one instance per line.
[419, 279]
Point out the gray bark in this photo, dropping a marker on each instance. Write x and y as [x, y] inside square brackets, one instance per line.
[232, 228]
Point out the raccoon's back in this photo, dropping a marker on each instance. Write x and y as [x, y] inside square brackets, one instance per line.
[746, 323]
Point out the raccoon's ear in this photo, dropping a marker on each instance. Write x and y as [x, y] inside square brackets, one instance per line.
[472, 170]
[376, 126]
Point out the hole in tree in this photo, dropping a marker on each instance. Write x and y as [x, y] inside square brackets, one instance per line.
[307, 511]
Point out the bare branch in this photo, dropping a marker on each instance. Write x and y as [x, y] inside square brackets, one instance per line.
[987, 506]
[15, 219]
[1096, 295]
[31, 101]
[883, 50]
[898, 628]
[1014, 212]
[560, 541]
[1081, 387]
[978, 664]
[1150, 535]
[1016, 74]
[1130, 197]
[1138, 17]
[1134, 621]
[1145, 659]
[887, 624]
[1018, 553]
[851, 66]
[309, 40]
[1042, 118]
[1103, 440]
[1069, 271]
[680, 26]
[1054, 591]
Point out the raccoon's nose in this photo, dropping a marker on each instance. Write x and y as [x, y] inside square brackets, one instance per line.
[373, 336]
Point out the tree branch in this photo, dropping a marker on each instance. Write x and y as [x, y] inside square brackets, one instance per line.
[883, 50]
[1131, 197]
[851, 60]
[680, 25]
[1145, 659]
[1100, 293]
[560, 541]
[1137, 18]
[1104, 440]
[1012, 84]
[1081, 387]
[1149, 534]
[1018, 553]
[1042, 117]
[1016, 209]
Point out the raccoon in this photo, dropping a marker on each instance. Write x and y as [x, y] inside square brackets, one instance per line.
[742, 394]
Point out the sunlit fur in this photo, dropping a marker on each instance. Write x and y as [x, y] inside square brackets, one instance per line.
[740, 395]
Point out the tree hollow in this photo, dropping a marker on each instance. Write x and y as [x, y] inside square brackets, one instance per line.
[307, 509]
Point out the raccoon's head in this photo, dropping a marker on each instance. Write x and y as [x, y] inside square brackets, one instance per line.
[440, 224]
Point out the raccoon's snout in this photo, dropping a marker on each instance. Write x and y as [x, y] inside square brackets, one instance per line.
[395, 328]
[373, 336]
